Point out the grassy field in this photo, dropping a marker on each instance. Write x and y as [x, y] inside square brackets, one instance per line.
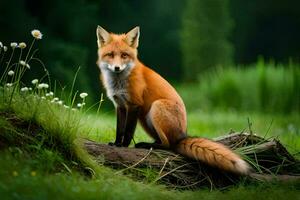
[40, 156]
[49, 165]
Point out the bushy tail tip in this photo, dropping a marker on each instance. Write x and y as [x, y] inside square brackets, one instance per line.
[214, 154]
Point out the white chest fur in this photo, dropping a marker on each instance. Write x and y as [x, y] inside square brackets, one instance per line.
[116, 85]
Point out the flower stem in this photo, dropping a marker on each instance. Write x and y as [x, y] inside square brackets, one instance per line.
[29, 50]
[18, 69]
[7, 68]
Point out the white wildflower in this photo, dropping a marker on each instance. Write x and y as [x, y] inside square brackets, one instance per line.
[42, 85]
[14, 45]
[30, 88]
[5, 48]
[60, 102]
[74, 109]
[34, 81]
[67, 107]
[22, 62]
[11, 73]
[1, 45]
[22, 45]
[79, 105]
[49, 94]
[36, 34]
[46, 85]
[24, 89]
[9, 84]
[43, 97]
[83, 95]
[54, 100]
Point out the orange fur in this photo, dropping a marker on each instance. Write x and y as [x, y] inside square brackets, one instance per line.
[212, 153]
[161, 110]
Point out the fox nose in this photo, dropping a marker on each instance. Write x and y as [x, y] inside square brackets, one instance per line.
[117, 68]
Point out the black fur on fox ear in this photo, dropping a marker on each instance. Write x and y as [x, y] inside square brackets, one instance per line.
[103, 37]
[132, 37]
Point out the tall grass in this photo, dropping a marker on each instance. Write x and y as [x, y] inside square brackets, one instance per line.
[35, 104]
[262, 87]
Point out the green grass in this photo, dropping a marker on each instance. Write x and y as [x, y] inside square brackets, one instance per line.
[57, 173]
[21, 180]
[261, 87]
[18, 182]
[54, 158]
[41, 158]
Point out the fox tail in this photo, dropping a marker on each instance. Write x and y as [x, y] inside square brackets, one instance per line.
[213, 154]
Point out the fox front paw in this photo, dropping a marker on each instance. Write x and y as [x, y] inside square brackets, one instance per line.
[143, 145]
[114, 144]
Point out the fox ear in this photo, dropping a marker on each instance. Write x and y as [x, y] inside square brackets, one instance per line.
[103, 37]
[132, 37]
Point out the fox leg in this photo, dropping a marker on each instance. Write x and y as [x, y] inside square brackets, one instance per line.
[130, 124]
[165, 122]
[161, 143]
[148, 145]
[121, 118]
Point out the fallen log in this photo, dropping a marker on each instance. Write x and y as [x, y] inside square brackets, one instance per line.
[269, 159]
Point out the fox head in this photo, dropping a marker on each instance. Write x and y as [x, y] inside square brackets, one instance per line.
[117, 52]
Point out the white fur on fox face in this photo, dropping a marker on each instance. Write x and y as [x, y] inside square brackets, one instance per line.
[115, 67]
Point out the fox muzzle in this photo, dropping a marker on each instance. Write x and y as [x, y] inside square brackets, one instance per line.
[116, 68]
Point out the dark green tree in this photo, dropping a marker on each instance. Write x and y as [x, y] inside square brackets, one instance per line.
[206, 26]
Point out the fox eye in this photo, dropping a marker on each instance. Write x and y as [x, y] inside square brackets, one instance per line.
[111, 54]
[124, 55]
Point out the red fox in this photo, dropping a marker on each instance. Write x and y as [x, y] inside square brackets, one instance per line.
[139, 93]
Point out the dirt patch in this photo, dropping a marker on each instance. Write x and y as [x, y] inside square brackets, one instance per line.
[18, 132]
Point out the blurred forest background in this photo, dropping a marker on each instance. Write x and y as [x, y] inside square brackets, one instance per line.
[234, 53]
